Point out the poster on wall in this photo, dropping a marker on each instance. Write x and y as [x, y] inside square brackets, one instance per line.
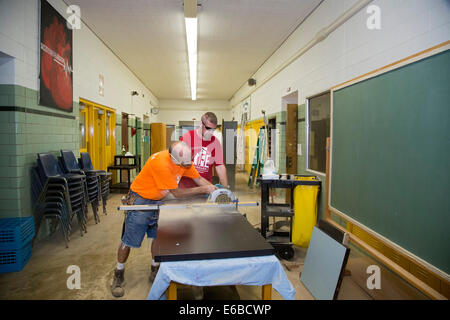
[56, 84]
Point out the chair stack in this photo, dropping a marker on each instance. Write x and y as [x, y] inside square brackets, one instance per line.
[51, 201]
[105, 180]
[104, 177]
[92, 185]
[62, 195]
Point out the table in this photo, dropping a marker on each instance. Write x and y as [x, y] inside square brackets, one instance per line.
[209, 247]
[118, 165]
[207, 233]
[137, 160]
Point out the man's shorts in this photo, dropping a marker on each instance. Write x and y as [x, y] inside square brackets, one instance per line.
[137, 223]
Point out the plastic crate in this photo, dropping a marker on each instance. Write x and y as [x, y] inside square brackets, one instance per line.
[14, 259]
[16, 232]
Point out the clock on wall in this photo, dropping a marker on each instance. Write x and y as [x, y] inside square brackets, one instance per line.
[155, 110]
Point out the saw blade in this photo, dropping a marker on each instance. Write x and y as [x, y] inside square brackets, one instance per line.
[223, 198]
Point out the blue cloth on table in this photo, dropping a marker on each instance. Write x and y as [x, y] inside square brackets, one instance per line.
[254, 271]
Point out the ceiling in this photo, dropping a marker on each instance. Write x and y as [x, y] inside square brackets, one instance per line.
[235, 37]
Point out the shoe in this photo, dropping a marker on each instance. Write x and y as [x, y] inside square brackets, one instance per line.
[154, 271]
[117, 289]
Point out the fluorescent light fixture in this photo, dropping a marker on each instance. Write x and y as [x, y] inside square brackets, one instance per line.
[191, 35]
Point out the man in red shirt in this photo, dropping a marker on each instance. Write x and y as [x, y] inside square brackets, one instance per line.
[206, 152]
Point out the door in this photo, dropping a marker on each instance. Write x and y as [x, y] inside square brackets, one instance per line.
[124, 131]
[272, 138]
[100, 138]
[110, 123]
[157, 137]
[170, 135]
[83, 124]
[97, 133]
[124, 143]
[291, 142]
[146, 139]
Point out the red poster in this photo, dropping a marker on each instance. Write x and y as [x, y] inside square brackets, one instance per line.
[56, 84]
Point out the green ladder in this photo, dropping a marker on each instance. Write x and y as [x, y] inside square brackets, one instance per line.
[258, 158]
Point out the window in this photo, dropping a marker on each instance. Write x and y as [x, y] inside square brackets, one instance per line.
[108, 118]
[272, 126]
[82, 130]
[318, 130]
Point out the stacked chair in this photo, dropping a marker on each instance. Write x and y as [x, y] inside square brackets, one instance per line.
[58, 195]
[92, 184]
[104, 177]
[63, 189]
[51, 199]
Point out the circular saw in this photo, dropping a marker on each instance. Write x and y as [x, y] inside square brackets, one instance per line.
[222, 195]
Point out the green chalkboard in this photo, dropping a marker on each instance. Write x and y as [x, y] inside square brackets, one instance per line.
[391, 156]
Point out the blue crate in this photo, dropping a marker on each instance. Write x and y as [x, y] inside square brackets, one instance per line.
[14, 259]
[15, 232]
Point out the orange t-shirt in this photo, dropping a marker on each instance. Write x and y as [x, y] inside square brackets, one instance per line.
[160, 175]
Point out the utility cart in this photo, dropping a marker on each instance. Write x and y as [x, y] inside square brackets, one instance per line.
[277, 236]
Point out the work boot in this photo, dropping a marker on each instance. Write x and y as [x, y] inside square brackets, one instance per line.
[154, 271]
[117, 285]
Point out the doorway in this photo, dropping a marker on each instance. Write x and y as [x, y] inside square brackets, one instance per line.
[146, 138]
[97, 133]
[291, 138]
[170, 135]
[290, 104]
[124, 144]
[272, 134]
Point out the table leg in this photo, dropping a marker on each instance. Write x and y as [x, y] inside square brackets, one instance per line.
[129, 178]
[267, 292]
[172, 291]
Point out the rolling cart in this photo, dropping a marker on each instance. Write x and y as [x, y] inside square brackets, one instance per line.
[280, 239]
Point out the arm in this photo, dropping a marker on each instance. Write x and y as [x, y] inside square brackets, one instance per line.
[204, 186]
[222, 173]
[200, 181]
[189, 192]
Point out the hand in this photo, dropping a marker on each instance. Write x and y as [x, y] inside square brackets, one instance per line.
[209, 188]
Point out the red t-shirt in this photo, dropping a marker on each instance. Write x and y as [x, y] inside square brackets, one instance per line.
[205, 156]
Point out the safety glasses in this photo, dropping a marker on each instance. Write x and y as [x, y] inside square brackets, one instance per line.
[208, 128]
[181, 164]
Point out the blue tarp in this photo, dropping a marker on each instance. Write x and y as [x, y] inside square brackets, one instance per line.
[254, 271]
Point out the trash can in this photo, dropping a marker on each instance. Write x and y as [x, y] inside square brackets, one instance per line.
[305, 210]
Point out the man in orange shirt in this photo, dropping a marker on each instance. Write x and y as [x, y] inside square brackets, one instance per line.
[159, 177]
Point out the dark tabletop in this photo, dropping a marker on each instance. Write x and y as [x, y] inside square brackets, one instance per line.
[207, 233]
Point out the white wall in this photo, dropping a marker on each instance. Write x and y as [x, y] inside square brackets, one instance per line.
[408, 27]
[173, 111]
[19, 38]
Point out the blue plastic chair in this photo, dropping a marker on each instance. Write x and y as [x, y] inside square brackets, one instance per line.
[49, 169]
[92, 190]
[85, 164]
